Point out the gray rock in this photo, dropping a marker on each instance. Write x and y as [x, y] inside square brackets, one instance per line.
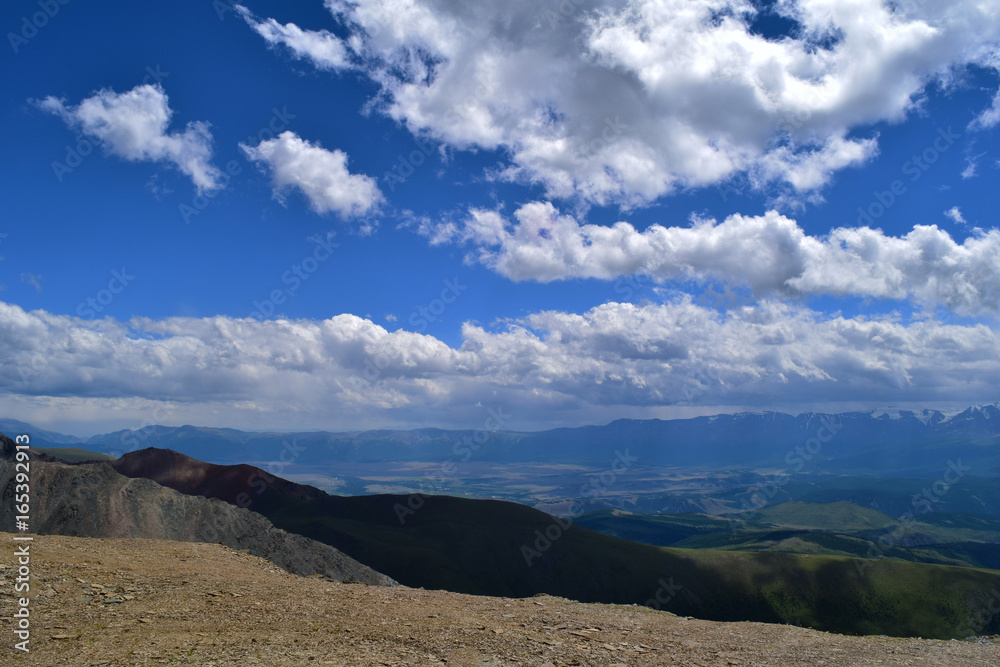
[95, 501]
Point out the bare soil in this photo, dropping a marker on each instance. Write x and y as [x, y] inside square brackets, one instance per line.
[151, 602]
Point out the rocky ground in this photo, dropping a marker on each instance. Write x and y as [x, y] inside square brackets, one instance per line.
[149, 602]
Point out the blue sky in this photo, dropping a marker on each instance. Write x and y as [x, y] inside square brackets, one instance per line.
[398, 214]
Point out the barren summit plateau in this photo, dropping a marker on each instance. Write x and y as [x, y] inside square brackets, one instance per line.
[152, 602]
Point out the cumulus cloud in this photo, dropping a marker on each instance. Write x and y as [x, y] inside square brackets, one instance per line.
[628, 100]
[323, 48]
[770, 254]
[546, 368]
[133, 126]
[321, 175]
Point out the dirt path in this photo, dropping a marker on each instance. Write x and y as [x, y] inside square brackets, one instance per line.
[146, 602]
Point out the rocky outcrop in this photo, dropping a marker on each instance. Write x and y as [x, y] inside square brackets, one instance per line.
[93, 500]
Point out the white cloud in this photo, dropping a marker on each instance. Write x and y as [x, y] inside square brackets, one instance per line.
[323, 48]
[320, 174]
[971, 166]
[547, 368]
[632, 99]
[987, 118]
[33, 280]
[770, 254]
[955, 215]
[133, 126]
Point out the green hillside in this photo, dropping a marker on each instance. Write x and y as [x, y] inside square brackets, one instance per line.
[839, 516]
[484, 547]
[833, 529]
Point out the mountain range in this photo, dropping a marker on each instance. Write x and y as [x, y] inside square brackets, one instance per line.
[882, 443]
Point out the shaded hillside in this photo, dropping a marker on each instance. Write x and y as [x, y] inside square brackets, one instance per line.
[92, 500]
[505, 549]
[241, 485]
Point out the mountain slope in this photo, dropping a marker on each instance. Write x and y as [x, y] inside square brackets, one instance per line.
[500, 548]
[96, 501]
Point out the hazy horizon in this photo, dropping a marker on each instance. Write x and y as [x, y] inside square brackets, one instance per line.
[83, 435]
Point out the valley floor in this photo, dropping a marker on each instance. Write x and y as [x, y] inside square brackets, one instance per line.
[145, 602]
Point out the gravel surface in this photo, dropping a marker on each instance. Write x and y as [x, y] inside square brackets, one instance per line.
[150, 602]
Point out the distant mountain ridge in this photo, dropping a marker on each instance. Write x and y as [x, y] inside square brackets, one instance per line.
[51, 438]
[887, 442]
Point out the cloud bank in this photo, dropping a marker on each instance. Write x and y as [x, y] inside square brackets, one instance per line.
[770, 254]
[544, 369]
